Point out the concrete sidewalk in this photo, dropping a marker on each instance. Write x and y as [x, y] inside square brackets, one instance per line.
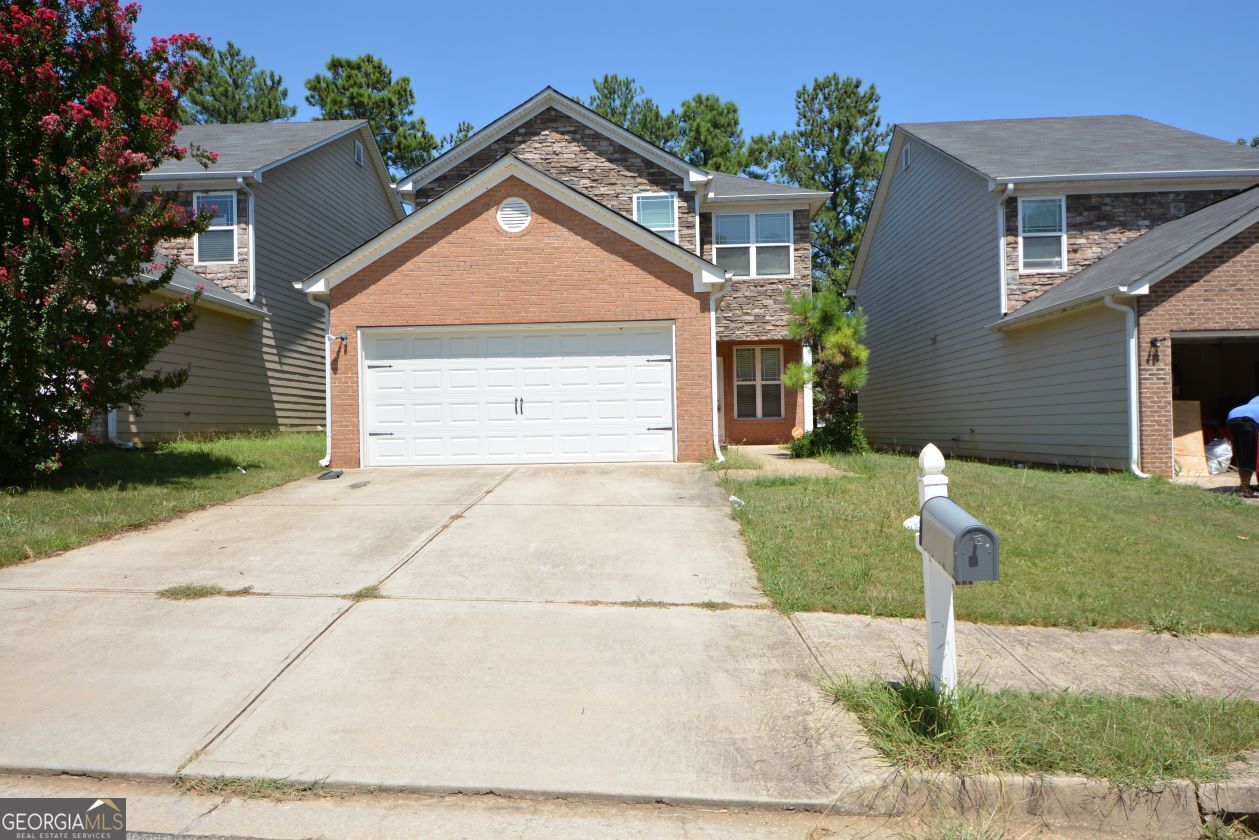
[1041, 658]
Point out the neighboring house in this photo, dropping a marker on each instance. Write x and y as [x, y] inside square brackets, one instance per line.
[288, 197]
[1059, 290]
[566, 291]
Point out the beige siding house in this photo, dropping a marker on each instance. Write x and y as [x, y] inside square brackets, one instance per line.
[1007, 266]
[289, 198]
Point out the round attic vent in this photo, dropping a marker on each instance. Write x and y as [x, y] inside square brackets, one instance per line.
[514, 215]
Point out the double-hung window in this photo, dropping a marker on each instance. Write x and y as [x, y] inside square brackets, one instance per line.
[218, 243]
[753, 244]
[758, 387]
[659, 212]
[1042, 234]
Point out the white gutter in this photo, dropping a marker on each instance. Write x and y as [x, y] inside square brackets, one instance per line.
[713, 299]
[806, 356]
[253, 256]
[1134, 404]
[328, 338]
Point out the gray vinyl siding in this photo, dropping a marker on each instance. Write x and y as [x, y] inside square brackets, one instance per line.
[227, 388]
[308, 213]
[1050, 393]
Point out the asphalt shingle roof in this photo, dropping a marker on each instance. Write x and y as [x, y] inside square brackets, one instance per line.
[1090, 146]
[187, 281]
[726, 186]
[1131, 263]
[246, 147]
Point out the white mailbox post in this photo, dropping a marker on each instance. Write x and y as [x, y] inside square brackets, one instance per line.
[938, 586]
[956, 548]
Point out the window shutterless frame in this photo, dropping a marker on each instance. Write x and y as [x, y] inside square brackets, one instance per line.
[1059, 234]
[759, 381]
[358, 153]
[224, 222]
[668, 231]
[757, 241]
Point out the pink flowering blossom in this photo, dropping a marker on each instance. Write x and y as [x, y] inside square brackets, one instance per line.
[50, 124]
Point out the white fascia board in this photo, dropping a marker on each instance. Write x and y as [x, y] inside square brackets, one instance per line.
[1130, 176]
[704, 273]
[548, 98]
[208, 175]
[239, 310]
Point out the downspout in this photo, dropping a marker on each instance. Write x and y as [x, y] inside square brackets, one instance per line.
[1134, 404]
[806, 357]
[111, 429]
[714, 298]
[327, 378]
[1001, 255]
[253, 261]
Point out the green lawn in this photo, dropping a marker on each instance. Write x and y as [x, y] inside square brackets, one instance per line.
[115, 489]
[1077, 549]
[1128, 740]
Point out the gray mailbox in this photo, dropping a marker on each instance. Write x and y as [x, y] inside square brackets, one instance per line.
[966, 548]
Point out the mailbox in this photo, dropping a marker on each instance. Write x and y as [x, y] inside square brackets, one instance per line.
[966, 548]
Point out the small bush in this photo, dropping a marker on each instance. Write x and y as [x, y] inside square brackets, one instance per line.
[841, 434]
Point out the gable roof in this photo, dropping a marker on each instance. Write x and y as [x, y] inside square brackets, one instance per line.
[247, 150]
[1083, 148]
[546, 98]
[1134, 267]
[706, 275]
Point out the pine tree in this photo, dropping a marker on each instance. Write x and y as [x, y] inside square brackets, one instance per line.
[364, 88]
[709, 134]
[231, 89]
[623, 101]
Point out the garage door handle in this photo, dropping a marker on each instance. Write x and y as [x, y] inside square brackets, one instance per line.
[373, 367]
[659, 428]
[665, 359]
[380, 434]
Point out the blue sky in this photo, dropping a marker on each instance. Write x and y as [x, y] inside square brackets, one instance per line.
[1186, 63]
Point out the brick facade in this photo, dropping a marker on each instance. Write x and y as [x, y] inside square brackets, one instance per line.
[756, 308]
[583, 158]
[756, 430]
[1218, 291]
[231, 276]
[563, 268]
[1097, 224]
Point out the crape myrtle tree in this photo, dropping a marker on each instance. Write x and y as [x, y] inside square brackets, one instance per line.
[84, 114]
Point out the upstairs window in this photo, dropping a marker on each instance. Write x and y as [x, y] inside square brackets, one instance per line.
[753, 244]
[758, 387]
[218, 243]
[659, 212]
[1043, 234]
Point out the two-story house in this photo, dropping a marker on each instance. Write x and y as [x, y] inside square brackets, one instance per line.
[565, 291]
[1065, 290]
[287, 198]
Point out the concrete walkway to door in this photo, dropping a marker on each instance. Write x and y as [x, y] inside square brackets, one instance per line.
[543, 630]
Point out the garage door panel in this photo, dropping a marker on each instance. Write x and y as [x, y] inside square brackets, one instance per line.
[531, 396]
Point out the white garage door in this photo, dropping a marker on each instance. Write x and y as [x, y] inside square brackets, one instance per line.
[518, 395]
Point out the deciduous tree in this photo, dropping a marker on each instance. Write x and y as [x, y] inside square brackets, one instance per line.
[231, 89]
[364, 88]
[85, 114]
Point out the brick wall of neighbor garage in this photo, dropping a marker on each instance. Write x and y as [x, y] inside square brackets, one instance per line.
[760, 431]
[1218, 291]
[563, 268]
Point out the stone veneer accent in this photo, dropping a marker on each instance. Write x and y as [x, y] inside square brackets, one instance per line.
[1097, 224]
[756, 308]
[1217, 291]
[231, 276]
[584, 159]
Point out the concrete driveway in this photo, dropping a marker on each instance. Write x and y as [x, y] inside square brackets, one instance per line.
[562, 630]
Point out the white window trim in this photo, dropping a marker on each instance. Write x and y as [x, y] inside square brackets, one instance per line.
[196, 239]
[1062, 236]
[677, 220]
[759, 381]
[358, 152]
[791, 244]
